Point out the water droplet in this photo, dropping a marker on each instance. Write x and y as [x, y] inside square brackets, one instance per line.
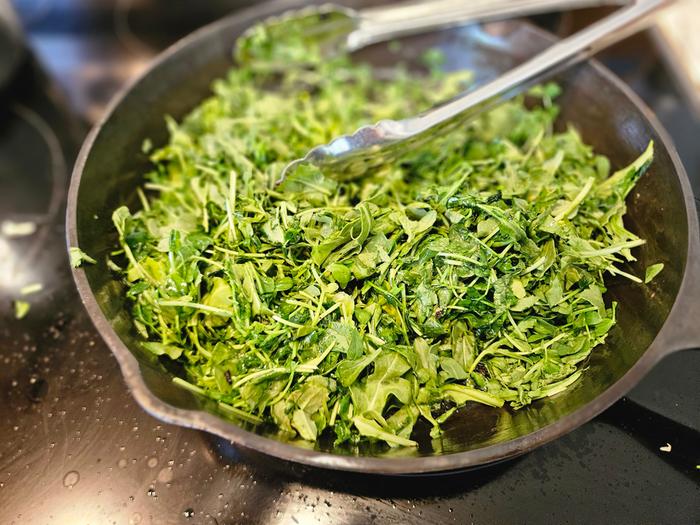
[188, 513]
[152, 493]
[221, 495]
[122, 463]
[450, 510]
[37, 390]
[152, 462]
[71, 479]
[165, 475]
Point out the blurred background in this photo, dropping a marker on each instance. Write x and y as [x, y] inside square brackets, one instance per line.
[91, 47]
[74, 447]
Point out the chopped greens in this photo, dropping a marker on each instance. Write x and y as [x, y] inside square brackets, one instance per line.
[78, 257]
[21, 309]
[652, 271]
[471, 271]
[31, 288]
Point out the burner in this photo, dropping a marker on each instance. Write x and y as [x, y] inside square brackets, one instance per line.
[30, 158]
[122, 28]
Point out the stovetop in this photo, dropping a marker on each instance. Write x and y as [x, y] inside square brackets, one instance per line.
[76, 448]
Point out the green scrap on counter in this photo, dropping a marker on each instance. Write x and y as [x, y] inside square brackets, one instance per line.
[21, 309]
[31, 288]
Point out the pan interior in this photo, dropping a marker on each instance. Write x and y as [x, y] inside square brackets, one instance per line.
[592, 102]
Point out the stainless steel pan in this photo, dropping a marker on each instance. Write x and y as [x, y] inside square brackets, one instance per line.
[654, 320]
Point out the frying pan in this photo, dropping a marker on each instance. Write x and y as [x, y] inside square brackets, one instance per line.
[653, 320]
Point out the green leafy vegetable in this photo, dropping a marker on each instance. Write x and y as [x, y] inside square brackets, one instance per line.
[652, 271]
[78, 257]
[31, 288]
[472, 271]
[21, 309]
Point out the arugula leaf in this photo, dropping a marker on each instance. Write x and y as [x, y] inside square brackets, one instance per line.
[371, 429]
[372, 394]
[652, 271]
[78, 257]
[172, 351]
[349, 369]
[21, 309]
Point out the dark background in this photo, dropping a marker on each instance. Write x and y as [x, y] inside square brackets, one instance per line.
[75, 448]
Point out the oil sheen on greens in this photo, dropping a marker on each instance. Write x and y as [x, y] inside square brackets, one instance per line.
[471, 271]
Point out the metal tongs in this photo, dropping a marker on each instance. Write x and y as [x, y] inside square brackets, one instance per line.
[351, 156]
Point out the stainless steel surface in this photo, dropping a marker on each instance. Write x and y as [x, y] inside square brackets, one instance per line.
[610, 118]
[349, 156]
[379, 24]
[335, 27]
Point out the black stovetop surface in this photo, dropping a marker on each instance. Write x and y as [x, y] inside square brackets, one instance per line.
[74, 446]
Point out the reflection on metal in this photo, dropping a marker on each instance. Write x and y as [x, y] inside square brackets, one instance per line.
[56, 158]
[349, 156]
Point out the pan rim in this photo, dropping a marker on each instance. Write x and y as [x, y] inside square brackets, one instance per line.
[198, 419]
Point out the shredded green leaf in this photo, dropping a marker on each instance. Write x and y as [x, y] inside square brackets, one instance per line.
[21, 309]
[78, 257]
[472, 271]
[652, 271]
[31, 288]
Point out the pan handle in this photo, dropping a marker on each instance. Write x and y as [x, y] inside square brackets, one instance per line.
[682, 328]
